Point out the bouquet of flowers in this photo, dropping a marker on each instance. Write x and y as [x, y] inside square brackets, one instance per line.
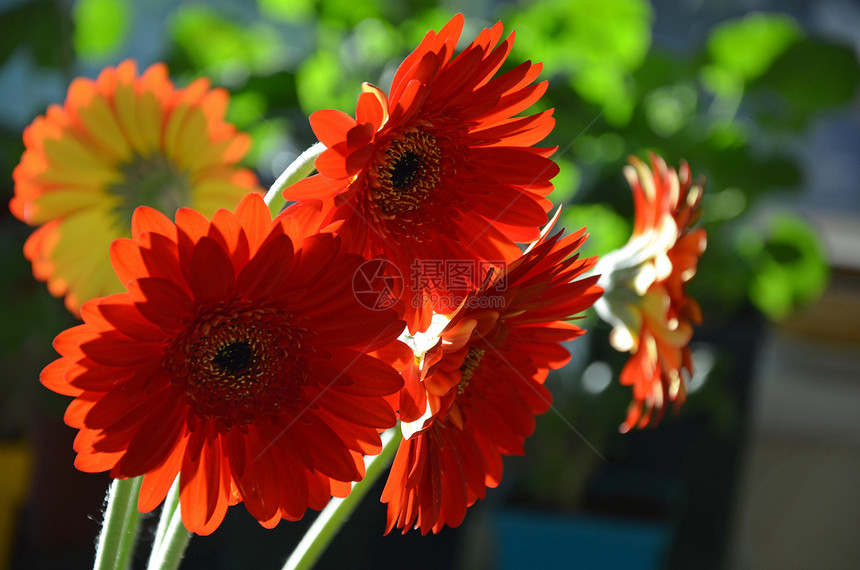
[402, 306]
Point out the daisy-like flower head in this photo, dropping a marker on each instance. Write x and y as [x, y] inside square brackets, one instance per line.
[483, 384]
[439, 169]
[237, 360]
[118, 142]
[645, 299]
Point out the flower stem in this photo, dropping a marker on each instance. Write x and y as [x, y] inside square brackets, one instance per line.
[171, 537]
[300, 167]
[329, 521]
[119, 529]
[171, 504]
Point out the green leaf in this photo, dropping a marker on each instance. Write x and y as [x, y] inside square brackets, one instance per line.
[287, 10]
[668, 109]
[595, 43]
[41, 26]
[100, 26]
[246, 108]
[217, 43]
[749, 45]
[349, 13]
[790, 266]
[321, 85]
[566, 181]
[812, 76]
[607, 230]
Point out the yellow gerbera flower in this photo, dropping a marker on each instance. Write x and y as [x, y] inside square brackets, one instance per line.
[120, 141]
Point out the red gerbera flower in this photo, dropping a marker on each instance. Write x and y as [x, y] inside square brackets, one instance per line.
[236, 360]
[438, 171]
[483, 384]
[645, 282]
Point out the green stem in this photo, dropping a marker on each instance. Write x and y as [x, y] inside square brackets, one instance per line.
[329, 521]
[171, 537]
[129, 534]
[171, 505]
[119, 529]
[300, 168]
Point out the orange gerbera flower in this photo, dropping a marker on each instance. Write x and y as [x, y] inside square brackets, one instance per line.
[237, 359]
[645, 282]
[483, 384]
[119, 142]
[439, 171]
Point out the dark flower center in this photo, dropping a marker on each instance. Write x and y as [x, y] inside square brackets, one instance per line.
[407, 174]
[236, 364]
[234, 357]
[403, 171]
[470, 364]
[153, 181]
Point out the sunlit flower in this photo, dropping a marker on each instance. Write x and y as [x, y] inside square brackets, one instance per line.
[237, 359]
[118, 142]
[439, 170]
[645, 299]
[482, 384]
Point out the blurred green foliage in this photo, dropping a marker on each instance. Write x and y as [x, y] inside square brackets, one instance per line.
[594, 44]
[735, 102]
[100, 27]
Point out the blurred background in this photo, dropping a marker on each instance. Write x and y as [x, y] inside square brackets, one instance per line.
[760, 467]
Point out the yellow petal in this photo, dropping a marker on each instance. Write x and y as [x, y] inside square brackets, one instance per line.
[172, 131]
[102, 126]
[126, 102]
[70, 155]
[80, 258]
[150, 121]
[66, 201]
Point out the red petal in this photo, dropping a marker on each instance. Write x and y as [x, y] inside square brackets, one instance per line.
[371, 107]
[260, 486]
[518, 131]
[161, 302]
[369, 412]
[128, 320]
[191, 225]
[227, 231]
[256, 220]
[331, 126]
[317, 253]
[202, 494]
[509, 206]
[53, 377]
[372, 376]
[512, 165]
[157, 483]
[212, 277]
[161, 257]
[266, 270]
[314, 187]
[332, 164]
[152, 442]
[115, 349]
[146, 219]
[329, 453]
[357, 159]
[126, 260]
